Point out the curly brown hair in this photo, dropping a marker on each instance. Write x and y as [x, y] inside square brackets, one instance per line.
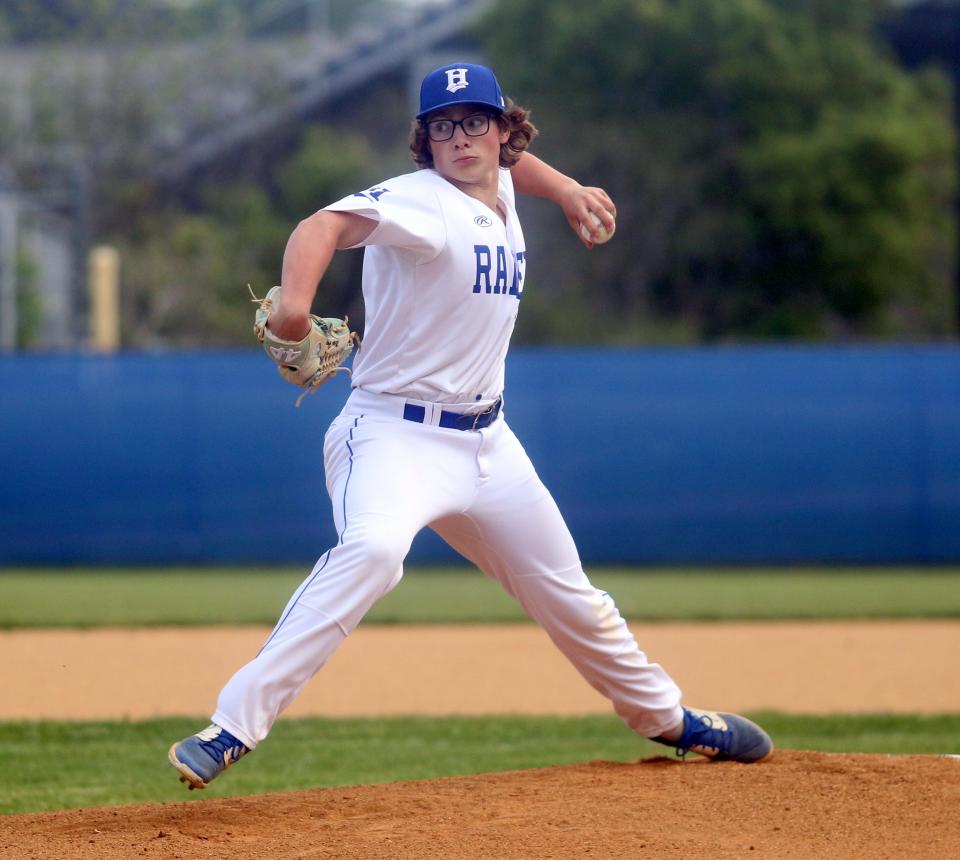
[514, 119]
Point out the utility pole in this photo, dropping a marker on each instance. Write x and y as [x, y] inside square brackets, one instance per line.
[104, 266]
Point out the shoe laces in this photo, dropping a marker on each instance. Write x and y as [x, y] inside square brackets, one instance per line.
[699, 731]
[220, 745]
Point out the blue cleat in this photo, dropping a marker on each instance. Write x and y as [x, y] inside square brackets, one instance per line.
[722, 737]
[202, 757]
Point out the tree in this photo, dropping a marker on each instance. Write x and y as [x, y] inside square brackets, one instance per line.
[28, 22]
[776, 173]
[185, 273]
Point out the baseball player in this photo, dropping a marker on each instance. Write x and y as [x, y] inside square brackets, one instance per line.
[423, 438]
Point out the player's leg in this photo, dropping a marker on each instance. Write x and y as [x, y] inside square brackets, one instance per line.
[386, 481]
[515, 533]
[582, 621]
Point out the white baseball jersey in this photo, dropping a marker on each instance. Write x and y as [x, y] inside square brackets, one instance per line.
[442, 279]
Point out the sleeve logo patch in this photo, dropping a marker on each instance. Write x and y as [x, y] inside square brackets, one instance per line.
[373, 194]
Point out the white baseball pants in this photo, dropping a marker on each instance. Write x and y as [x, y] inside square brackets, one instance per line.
[388, 478]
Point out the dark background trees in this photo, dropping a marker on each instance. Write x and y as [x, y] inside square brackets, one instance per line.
[783, 169]
[777, 173]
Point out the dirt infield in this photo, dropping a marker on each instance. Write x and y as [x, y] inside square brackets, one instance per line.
[797, 805]
[809, 667]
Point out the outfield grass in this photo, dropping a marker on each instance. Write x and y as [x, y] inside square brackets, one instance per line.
[135, 597]
[59, 765]
[54, 765]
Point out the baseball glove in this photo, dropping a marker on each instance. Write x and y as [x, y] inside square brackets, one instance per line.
[310, 362]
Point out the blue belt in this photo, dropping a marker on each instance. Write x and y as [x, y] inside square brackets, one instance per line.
[455, 420]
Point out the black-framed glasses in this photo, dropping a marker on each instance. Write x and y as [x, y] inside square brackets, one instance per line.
[475, 125]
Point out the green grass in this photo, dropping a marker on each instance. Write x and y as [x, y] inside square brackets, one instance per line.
[55, 765]
[58, 765]
[135, 597]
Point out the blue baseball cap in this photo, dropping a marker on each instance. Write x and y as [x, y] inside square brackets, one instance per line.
[460, 83]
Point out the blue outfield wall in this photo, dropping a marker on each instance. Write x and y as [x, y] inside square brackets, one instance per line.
[656, 456]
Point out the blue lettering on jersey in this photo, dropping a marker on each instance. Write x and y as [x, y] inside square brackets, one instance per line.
[482, 255]
[501, 285]
[488, 282]
[373, 194]
[516, 288]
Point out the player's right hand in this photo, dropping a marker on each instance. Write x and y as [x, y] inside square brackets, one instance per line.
[580, 202]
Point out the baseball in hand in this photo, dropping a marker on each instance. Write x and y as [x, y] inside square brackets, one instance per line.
[603, 234]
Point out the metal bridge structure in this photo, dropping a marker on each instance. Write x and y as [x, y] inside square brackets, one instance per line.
[75, 116]
[407, 44]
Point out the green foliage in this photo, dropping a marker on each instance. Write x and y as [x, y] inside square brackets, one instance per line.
[327, 165]
[59, 765]
[185, 273]
[185, 280]
[775, 173]
[29, 301]
[30, 22]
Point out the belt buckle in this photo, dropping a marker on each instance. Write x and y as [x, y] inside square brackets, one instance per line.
[491, 411]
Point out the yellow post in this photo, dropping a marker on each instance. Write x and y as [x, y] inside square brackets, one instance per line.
[104, 270]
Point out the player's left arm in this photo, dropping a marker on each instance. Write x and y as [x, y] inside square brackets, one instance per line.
[308, 253]
[533, 176]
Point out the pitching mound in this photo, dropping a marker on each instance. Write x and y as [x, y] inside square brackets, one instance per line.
[797, 805]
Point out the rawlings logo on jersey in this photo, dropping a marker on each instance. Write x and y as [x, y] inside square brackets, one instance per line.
[495, 282]
[483, 221]
[456, 80]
